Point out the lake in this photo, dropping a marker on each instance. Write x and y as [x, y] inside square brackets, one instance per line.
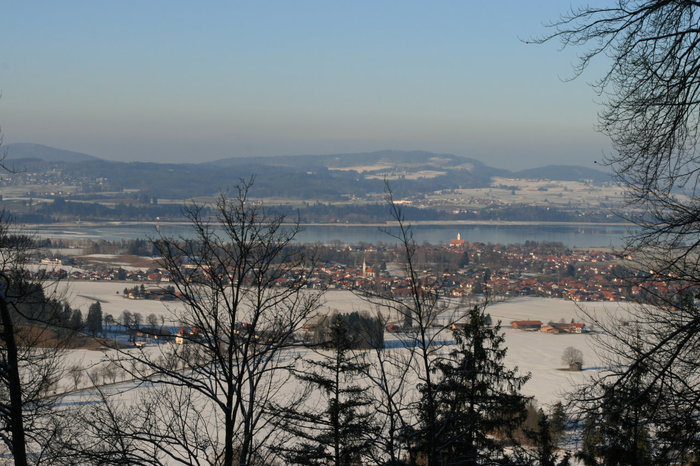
[599, 235]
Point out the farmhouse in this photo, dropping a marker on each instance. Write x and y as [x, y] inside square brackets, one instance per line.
[532, 325]
[572, 327]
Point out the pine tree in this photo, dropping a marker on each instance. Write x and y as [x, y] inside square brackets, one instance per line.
[615, 435]
[64, 318]
[542, 440]
[76, 320]
[478, 399]
[558, 421]
[616, 424]
[340, 433]
[94, 318]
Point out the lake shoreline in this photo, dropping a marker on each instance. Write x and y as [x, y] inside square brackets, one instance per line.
[571, 234]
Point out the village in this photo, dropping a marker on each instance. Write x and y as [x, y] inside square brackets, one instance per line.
[457, 269]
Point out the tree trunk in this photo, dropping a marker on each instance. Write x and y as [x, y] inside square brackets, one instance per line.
[15, 387]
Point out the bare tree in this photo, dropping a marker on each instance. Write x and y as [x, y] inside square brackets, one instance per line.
[109, 320]
[243, 283]
[110, 372]
[651, 95]
[30, 364]
[152, 320]
[391, 375]
[137, 319]
[571, 356]
[105, 432]
[127, 319]
[76, 372]
[421, 317]
[651, 112]
[417, 311]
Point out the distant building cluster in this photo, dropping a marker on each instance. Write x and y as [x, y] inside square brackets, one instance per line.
[551, 327]
[457, 269]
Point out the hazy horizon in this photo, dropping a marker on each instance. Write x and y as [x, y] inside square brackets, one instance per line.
[172, 82]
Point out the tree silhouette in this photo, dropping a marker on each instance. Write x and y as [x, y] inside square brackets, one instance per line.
[339, 430]
[478, 399]
[651, 113]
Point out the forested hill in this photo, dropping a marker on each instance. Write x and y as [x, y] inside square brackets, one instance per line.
[45, 153]
[305, 177]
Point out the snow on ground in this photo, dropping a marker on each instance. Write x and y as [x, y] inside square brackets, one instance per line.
[534, 352]
[540, 354]
[50, 268]
[547, 309]
[81, 294]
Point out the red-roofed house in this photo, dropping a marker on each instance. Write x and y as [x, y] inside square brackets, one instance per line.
[526, 324]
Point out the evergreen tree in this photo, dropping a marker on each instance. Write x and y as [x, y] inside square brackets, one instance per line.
[591, 441]
[615, 435]
[616, 428]
[94, 318]
[340, 433]
[66, 315]
[76, 320]
[545, 442]
[557, 421]
[464, 259]
[478, 399]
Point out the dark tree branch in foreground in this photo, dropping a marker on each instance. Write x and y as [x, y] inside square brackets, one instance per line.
[651, 105]
[647, 404]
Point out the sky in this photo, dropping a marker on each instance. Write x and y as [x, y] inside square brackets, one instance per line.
[172, 81]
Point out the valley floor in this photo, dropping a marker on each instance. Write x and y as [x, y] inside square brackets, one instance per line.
[535, 352]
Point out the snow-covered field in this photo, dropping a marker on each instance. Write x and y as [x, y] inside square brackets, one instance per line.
[80, 294]
[534, 192]
[534, 352]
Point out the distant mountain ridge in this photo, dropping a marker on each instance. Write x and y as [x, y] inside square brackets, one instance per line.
[392, 158]
[24, 150]
[305, 177]
[376, 161]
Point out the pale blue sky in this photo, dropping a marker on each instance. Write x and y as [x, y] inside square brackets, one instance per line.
[184, 81]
